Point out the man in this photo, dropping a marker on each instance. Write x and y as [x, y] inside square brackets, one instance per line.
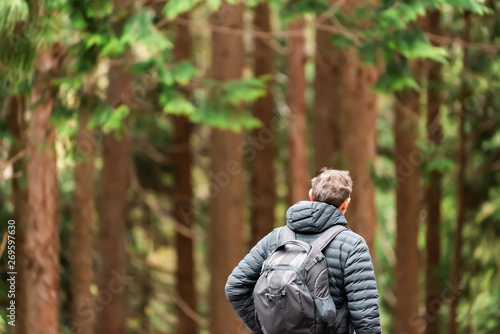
[351, 274]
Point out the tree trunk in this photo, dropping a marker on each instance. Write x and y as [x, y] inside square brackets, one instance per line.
[345, 117]
[110, 304]
[456, 265]
[262, 161]
[433, 190]
[407, 159]
[42, 233]
[82, 272]
[17, 125]
[111, 299]
[329, 64]
[227, 183]
[183, 200]
[300, 182]
[358, 129]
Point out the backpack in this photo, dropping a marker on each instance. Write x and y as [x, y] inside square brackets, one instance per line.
[292, 294]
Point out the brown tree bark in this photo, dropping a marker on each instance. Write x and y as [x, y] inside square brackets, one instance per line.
[358, 122]
[82, 272]
[110, 304]
[407, 160]
[456, 264]
[299, 176]
[328, 93]
[227, 182]
[345, 123]
[357, 128]
[42, 233]
[433, 189]
[111, 299]
[183, 199]
[17, 126]
[264, 151]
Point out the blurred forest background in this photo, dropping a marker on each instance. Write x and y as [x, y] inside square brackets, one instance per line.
[146, 145]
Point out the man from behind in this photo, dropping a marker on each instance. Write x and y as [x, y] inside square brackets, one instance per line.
[351, 277]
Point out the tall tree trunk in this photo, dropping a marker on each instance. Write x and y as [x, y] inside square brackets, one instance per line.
[82, 272]
[263, 177]
[456, 265]
[227, 182]
[345, 115]
[328, 93]
[358, 121]
[42, 233]
[357, 128]
[183, 200]
[17, 125]
[433, 190]
[300, 182]
[111, 301]
[407, 159]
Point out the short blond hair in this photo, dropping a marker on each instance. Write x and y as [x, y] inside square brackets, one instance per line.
[332, 186]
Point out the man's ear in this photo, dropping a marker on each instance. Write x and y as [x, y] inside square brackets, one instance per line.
[311, 194]
[345, 205]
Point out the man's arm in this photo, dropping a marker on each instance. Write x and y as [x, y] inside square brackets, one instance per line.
[241, 282]
[361, 290]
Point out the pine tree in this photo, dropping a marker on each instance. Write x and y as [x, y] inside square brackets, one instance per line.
[114, 185]
[456, 264]
[183, 199]
[42, 232]
[299, 176]
[226, 173]
[433, 190]
[263, 187]
[82, 271]
[407, 155]
[329, 66]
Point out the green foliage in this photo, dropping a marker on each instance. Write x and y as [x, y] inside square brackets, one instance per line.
[11, 12]
[393, 32]
[225, 118]
[176, 7]
[183, 72]
[109, 119]
[140, 29]
[414, 44]
[397, 77]
[244, 90]
[174, 102]
[223, 109]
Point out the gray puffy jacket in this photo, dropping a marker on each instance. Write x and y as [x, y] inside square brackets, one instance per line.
[350, 269]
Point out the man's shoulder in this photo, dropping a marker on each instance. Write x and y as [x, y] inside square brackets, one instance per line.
[350, 237]
[347, 240]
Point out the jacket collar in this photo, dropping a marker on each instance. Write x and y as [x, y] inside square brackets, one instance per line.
[313, 217]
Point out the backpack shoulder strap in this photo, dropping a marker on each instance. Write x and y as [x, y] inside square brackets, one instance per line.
[327, 236]
[287, 235]
[278, 236]
[274, 239]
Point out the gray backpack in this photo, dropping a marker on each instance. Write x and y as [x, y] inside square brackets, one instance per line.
[292, 294]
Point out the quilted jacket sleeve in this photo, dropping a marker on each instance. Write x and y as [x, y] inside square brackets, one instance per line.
[361, 290]
[241, 282]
